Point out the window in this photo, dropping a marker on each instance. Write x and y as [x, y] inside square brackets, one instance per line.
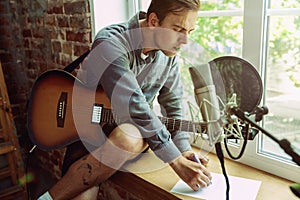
[270, 43]
[282, 76]
[102, 13]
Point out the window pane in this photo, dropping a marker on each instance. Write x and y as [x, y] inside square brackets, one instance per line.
[209, 5]
[213, 37]
[283, 83]
[276, 4]
[144, 4]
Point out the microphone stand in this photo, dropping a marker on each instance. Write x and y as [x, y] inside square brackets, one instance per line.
[284, 144]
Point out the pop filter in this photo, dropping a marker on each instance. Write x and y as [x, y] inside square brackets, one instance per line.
[236, 75]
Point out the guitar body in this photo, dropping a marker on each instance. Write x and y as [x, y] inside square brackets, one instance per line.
[60, 110]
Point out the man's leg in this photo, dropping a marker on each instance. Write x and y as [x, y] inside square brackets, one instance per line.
[89, 194]
[74, 152]
[124, 143]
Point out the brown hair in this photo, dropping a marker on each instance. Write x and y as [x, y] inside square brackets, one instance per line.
[163, 7]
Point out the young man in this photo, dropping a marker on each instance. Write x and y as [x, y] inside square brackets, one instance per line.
[133, 62]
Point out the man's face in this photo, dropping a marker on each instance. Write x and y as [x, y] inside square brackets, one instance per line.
[173, 31]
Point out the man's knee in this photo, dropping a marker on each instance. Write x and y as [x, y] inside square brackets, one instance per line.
[128, 138]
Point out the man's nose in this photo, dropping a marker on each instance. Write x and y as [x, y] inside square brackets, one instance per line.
[183, 39]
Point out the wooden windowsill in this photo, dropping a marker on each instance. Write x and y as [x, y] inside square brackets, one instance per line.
[152, 179]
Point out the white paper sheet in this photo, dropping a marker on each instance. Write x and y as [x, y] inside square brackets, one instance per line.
[240, 188]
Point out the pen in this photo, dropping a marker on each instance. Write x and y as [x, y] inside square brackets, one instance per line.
[197, 160]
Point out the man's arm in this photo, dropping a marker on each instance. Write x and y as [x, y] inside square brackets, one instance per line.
[170, 99]
[108, 65]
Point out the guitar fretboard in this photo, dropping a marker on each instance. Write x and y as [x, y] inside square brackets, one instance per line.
[107, 116]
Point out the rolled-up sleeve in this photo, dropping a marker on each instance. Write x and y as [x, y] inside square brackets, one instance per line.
[170, 99]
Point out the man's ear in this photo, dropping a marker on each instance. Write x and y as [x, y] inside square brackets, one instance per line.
[153, 20]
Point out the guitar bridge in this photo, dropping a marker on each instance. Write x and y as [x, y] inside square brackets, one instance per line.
[61, 109]
[97, 113]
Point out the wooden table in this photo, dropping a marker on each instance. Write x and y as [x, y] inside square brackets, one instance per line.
[152, 179]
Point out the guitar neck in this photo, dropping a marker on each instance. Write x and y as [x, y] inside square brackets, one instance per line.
[180, 125]
[171, 124]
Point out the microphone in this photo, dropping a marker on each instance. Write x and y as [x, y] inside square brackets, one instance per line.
[206, 98]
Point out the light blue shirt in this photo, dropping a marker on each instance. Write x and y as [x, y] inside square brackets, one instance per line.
[132, 80]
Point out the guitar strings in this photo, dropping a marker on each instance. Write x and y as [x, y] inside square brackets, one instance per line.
[170, 123]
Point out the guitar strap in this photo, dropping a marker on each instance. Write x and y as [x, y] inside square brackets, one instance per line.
[76, 62]
[69, 68]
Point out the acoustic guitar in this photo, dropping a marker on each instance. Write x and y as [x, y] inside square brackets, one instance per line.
[62, 110]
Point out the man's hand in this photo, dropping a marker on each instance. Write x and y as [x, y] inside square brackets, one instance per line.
[194, 174]
[190, 156]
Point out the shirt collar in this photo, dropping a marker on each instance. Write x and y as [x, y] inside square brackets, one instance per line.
[144, 56]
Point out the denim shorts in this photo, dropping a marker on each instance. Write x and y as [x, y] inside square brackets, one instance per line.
[77, 149]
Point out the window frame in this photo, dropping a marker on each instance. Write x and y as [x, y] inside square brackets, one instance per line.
[125, 8]
[254, 49]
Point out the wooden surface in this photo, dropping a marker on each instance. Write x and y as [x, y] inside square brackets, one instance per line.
[158, 178]
[9, 149]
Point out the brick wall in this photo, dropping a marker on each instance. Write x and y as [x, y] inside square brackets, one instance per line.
[36, 36]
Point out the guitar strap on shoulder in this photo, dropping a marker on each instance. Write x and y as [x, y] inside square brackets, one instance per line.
[76, 62]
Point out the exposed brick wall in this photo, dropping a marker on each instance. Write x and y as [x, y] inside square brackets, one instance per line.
[12, 57]
[36, 36]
